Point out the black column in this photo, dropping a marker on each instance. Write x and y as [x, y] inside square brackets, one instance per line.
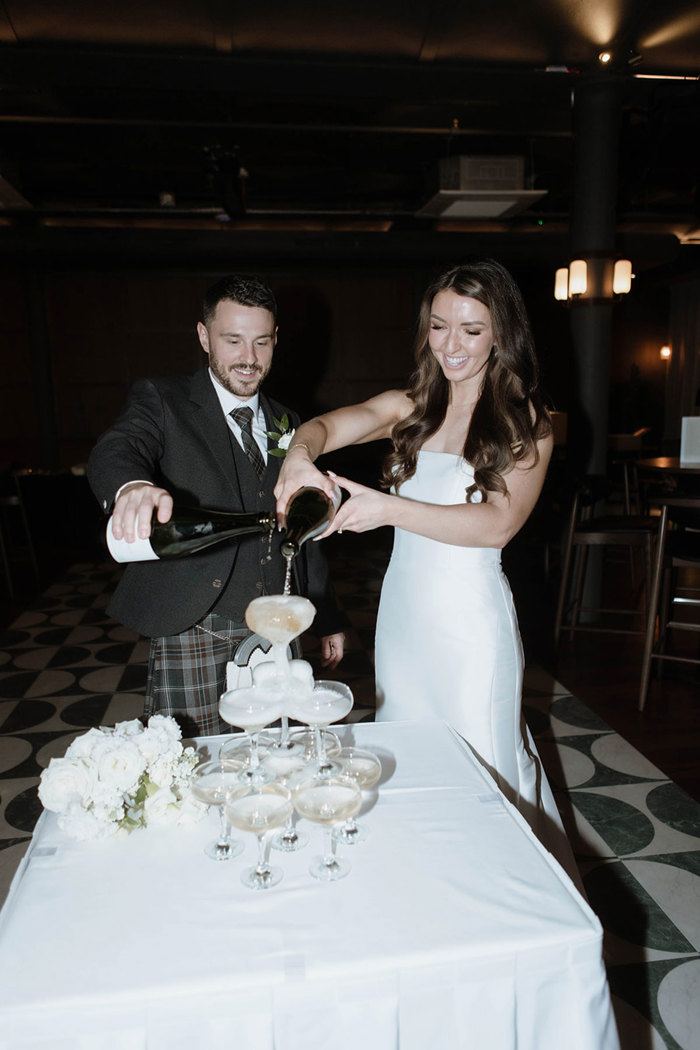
[597, 109]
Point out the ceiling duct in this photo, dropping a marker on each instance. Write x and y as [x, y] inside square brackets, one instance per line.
[480, 188]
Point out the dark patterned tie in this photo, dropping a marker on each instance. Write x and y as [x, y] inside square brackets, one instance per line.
[244, 418]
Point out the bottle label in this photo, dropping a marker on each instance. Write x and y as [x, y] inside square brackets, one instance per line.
[121, 551]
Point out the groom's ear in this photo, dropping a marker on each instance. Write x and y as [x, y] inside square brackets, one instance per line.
[203, 336]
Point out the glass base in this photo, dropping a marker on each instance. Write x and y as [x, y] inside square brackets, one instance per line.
[307, 738]
[320, 868]
[256, 777]
[325, 772]
[237, 748]
[290, 747]
[289, 841]
[350, 834]
[223, 850]
[263, 879]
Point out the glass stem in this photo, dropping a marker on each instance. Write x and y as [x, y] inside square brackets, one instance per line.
[323, 763]
[261, 868]
[223, 826]
[289, 833]
[254, 756]
[284, 734]
[329, 847]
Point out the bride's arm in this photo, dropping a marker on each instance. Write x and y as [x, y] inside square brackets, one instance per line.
[490, 524]
[353, 425]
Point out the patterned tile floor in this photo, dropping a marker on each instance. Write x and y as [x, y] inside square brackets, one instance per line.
[65, 666]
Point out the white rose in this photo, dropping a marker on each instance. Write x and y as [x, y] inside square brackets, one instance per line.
[121, 765]
[160, 807]
[83, 824]
[84, 745]
[66, 780]
[286, 439]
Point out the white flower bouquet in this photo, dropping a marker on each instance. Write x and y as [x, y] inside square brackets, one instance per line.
[116, 780]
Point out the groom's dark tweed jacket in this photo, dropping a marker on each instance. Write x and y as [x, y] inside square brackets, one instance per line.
[172, 432]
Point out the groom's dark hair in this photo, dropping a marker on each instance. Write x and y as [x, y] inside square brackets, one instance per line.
[246, 289]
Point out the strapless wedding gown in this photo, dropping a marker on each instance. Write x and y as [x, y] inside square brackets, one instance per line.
[448, 647]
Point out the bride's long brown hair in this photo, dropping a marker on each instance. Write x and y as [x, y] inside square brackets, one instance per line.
[509, 416]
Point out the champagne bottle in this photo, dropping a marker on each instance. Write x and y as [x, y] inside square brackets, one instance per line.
[189, 530]
[309, 513]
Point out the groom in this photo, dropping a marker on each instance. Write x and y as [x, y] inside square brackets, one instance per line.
[201, 440]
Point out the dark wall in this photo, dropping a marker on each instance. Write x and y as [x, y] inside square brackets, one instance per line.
[345, 333]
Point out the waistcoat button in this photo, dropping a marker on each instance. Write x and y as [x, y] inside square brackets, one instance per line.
[216, 583]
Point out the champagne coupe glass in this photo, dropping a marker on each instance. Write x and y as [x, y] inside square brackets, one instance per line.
[327, 802]
[259, 809]
[288, 769]
[251, 709]
[329, 702]
[211, 784]
[280, 618]
[365, 769]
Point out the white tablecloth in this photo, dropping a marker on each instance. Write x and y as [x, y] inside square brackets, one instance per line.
[455, 929]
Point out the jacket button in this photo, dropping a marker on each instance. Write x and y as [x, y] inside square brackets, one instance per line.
[216, 583]
[258, 586]
[261, 494]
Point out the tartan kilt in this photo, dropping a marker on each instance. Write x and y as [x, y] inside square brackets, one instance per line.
[187, 673]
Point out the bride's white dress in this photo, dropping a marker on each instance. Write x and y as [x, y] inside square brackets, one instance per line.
[448, 647]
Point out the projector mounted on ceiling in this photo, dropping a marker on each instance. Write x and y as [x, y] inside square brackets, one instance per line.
[480, 188]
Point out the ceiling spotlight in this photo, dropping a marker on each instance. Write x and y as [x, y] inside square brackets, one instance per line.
[605, 57]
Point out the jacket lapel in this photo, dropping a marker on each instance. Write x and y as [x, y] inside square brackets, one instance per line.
[209, 420]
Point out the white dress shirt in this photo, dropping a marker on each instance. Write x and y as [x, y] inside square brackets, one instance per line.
[229, 401]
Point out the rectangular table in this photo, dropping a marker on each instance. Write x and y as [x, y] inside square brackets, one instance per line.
[455, 929]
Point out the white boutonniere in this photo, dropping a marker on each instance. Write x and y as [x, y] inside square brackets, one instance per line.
[282, 436]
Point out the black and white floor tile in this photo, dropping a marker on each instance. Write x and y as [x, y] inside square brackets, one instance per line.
[66, 666]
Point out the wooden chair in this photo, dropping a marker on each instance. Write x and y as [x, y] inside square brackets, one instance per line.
[587, 528]
[677, 547]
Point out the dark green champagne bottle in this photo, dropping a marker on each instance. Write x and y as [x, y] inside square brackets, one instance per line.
[190, 529]
[309, 512]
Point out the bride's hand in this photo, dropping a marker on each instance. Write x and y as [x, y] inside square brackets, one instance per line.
[366, 509]
[298, 471]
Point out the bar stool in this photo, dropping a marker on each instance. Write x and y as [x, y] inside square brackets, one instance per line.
[677, 547]
[587, 529]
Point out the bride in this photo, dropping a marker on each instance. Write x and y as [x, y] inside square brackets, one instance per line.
[472, 441]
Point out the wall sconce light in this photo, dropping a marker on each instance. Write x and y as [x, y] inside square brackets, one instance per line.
[622, 277]
[578, 277]
[561, 284]
[605, 58]
[665, 352]
[574, 281]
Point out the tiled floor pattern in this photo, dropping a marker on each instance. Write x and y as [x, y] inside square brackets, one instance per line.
[65, 666]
